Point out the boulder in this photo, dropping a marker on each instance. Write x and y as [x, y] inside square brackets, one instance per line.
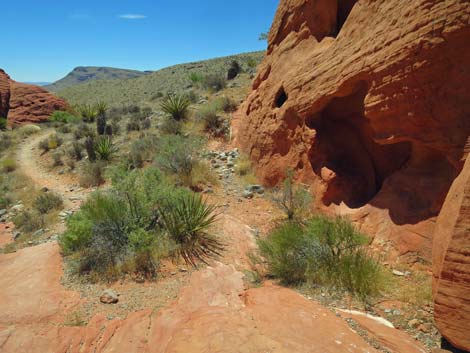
[109, 297]
[451, 265]
[4, 93]
[32, 104]
[368, 101]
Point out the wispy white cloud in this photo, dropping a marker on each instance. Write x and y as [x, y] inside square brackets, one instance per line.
[132, 16]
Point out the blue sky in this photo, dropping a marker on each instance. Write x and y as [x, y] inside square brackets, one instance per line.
[44, 40]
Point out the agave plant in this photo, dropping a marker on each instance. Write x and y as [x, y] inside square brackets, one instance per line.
[105, 148]
[176, 106]
[88, 113]
[187, 219]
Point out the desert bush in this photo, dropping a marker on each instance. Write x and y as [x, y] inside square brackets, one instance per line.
[105, 148]
[210, 117]
[170, 126]
[157, 96]
[146, 124]
[226, 104]
[214, 82]
[324, 251]
[88, 112]
[187, 220]
[295, 200]
[252, 63]
[8, 165]
[5, 141]
[196, 77]
[3, 123]
[76, 151]
[133, 126]
[71, 164]
[53, 142]
[64, 129]
[63, 117]
[243, 165]
[192, 96]
[47, 202]
[177, 154]
[28, 130]
[57, 159]
[176, 106]
[115, 126]
[82, 130]
[28, 221]
[92, 174]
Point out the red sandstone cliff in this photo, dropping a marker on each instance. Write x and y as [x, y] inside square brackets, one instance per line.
[451, 255]
[22, 103]
[369, 102]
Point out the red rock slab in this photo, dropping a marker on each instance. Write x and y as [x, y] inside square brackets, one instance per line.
[214, 313]
[451, 264]
[30, 286]
[389, 337]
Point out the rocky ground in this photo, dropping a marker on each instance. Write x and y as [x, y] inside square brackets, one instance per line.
[223, 307]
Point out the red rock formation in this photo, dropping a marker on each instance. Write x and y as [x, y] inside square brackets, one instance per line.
[451, 255]
[32, 104]
[369, 102]
[4, 93]
[22, 103]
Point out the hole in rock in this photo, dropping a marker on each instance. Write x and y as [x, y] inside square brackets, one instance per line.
[344, 9]
[345, 155]
[281, 98]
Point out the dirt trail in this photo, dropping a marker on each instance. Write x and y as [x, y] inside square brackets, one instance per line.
[28, 158]
[215, 312]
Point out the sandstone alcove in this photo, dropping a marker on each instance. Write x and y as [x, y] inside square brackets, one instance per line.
[345, 155]
[344, 9]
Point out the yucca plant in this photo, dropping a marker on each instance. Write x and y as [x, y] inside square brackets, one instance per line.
[90, 148]
[101, 109]
[187, 219]
[176, 106]
[88, 113]
[105, 148]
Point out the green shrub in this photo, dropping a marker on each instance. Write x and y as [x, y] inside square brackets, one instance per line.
[28, 130]
[76, 151]
[324, 251]
[28, 221]
[177, 154]
[214, 82]
[63, 117]
[176, 106]
[3, 123]
[192, 96]
[5, 141]
[8, 165]
[295, 200]
[226, 104]
[170, 126]
[47, 202]
[196, 77]
[78, 233]
[105, 148]
[187, 220]
[57, 159]
[212, 121]
[83, 130]
[92, 174]
[88, 112]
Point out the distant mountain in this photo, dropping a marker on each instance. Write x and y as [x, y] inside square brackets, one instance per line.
[38, 83]
[84, 74]
[145, 88]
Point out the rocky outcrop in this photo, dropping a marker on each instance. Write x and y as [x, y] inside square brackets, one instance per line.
[32, 104]
[369, 102]
[451, 255]
[4, 93]
[21, 103]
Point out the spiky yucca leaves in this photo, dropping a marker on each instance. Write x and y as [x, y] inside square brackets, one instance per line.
[88, 113]
[176, 106]
[105, 148]
[187, 219]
